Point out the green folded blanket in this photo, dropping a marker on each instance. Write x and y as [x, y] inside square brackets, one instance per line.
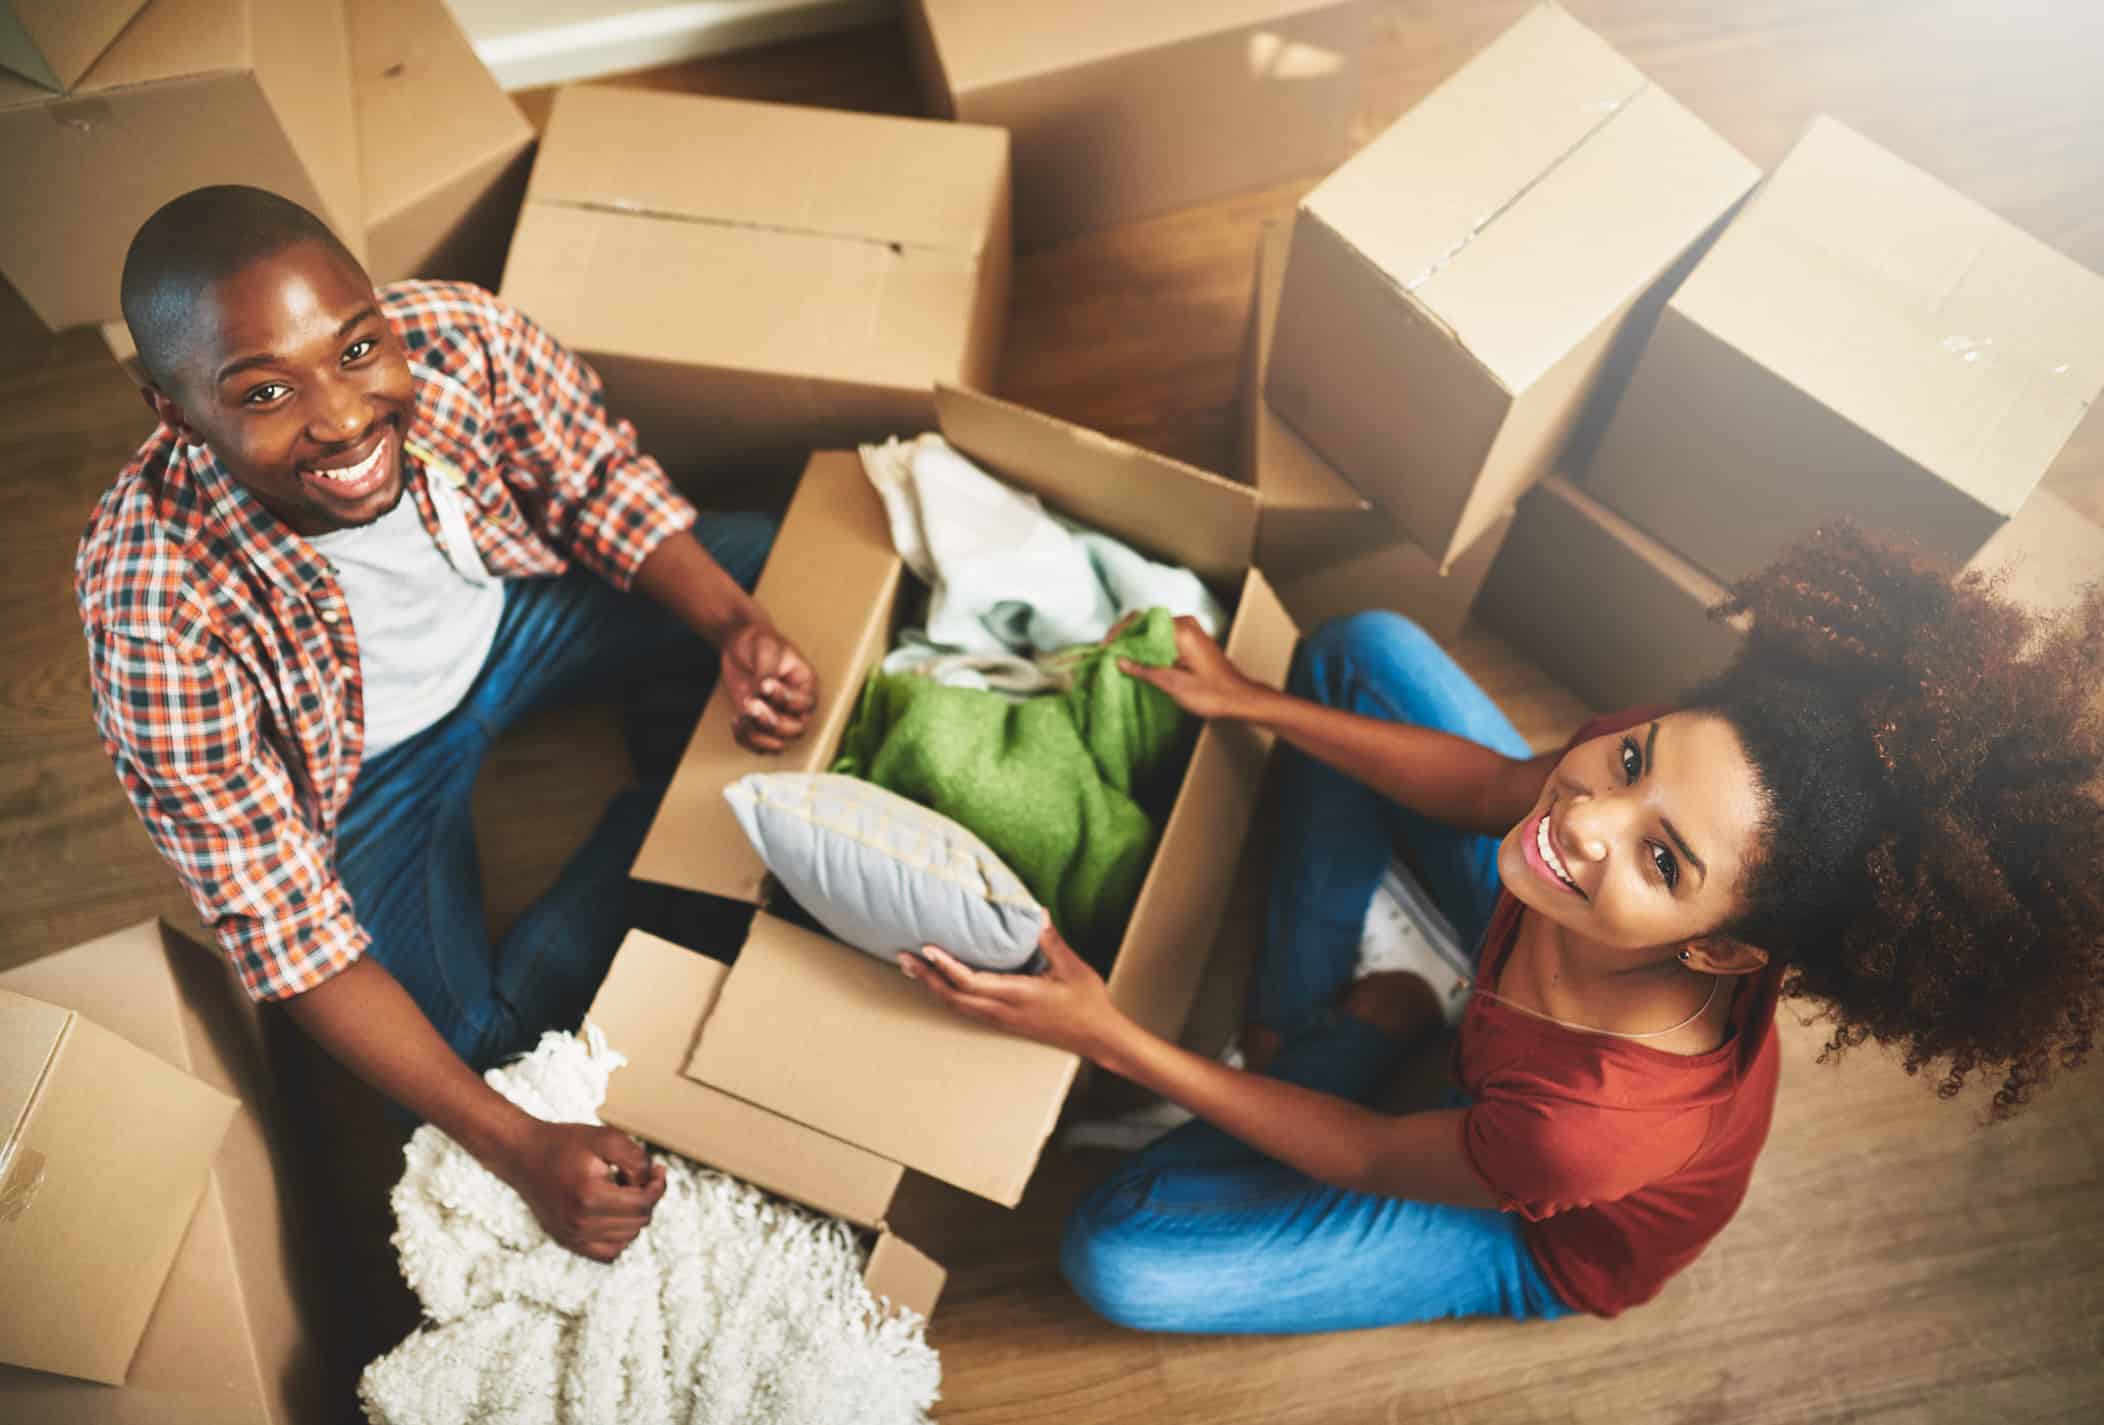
[1053, 784]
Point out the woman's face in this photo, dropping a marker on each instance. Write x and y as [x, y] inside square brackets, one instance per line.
[1641, 838]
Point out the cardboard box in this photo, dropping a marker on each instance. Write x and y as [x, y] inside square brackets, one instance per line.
[1861, 342]
[1120, 109]
[836, 1041]
[234, 1336]
[1322, 544]
[1454, 289]
[444, 151]
[2046, 554]
[1605, 609]
[53, 42]
[194, 92]
[752, 280]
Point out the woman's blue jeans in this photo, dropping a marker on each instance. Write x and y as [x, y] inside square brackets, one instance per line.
[406, 842]
[1202, 1233]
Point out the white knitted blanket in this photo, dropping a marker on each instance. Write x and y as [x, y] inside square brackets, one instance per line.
[730, 1307]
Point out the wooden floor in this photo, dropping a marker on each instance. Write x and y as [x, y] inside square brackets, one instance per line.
[1894, 1262]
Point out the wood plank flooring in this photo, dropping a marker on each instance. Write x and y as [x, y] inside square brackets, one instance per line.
[1894, 1261]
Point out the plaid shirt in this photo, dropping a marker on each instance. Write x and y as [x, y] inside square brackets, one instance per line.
[221, 653]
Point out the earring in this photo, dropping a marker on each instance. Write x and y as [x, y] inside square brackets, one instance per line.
[1686, 955]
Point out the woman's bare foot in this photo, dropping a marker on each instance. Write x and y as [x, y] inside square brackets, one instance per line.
[1260, 1045]
[1396, 1002]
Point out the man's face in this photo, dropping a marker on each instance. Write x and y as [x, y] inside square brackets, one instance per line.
[299, 385]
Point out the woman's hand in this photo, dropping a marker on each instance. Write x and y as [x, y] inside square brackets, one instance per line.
[1068, 1006]
[1202, 680]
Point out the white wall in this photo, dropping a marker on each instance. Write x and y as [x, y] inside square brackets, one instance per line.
[532, 42]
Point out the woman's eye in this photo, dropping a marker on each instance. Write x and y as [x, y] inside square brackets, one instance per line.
[264, 394]
[358, 349]
[1668, 868]
[1632, 760]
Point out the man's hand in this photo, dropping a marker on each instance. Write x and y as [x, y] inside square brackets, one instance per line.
[771, 687]
[591, 1188]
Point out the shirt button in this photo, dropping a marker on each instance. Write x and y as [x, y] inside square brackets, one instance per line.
[330, 616]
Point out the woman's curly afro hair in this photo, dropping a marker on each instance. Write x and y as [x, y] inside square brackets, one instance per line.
[1931, 755]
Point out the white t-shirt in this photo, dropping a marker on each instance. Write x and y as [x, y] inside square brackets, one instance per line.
[425, 616]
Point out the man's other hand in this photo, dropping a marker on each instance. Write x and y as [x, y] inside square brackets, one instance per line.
[591, 1188]
[770, 684]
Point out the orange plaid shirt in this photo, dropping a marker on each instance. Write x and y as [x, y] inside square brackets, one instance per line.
[220, 649]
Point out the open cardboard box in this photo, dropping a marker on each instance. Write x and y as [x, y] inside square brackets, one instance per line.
[234, 1335]
[752, 280]
[55, 43]
[1323, 545]
[814, 1069]
[193, 92]
[1455, 290]
[1863, 342]
[1121, 109]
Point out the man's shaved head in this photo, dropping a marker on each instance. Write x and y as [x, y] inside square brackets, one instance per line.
[194, 241]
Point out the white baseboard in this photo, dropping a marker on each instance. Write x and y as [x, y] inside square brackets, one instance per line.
[526, 43]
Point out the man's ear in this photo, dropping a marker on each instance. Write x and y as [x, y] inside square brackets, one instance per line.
[169, 414]
[1722, 955]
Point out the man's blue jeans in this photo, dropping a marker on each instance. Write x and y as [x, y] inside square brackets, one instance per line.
[1200, 1232]
[406, 842]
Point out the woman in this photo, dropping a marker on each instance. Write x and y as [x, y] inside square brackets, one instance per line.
[1887, 806]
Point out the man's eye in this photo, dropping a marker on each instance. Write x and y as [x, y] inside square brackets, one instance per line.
[1668, 868]
[1632, 760]
[359, 349]
[264, 394]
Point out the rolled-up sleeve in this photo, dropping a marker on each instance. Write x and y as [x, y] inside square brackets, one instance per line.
[183, 730]
[589, 490]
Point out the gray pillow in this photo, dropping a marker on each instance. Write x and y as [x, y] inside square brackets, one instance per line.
[885, 874]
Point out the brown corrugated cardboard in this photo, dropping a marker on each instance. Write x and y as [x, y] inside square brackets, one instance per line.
[1120, 109]
[194, 92]
[1322, 544]
[2046, 554]
[1608, 611]
[757, 279]
[444, 151]
[105, 1156]
[235, 1334]
[1861, 342]
[999, 1095]
[55, 41]
[649, 1005]
[1454, 289]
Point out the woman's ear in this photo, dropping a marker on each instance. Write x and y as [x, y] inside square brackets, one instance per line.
[1722, 955]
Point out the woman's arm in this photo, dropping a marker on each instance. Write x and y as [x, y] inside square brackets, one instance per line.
[1330, 1139]
[1450, 779]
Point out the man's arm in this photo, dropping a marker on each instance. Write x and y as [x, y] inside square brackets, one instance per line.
[592, 1188]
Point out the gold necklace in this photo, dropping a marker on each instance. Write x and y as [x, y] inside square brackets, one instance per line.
[1715, 982]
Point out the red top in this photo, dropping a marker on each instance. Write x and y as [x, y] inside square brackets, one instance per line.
[1625, 1160]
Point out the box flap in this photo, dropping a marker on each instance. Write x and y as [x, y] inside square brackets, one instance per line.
[903, 1277]
[1963, 343]
[843, 1042]
[1288, 472]
[1164, 507]
[1185, 893]
[31, 1032]
[835, 523]
[1533, 194]
[54, 41]
[173, 39]
[744, 297]
[2046, 554]
[650, 1006]
[426, 107]
[864, 178]
[982, 43]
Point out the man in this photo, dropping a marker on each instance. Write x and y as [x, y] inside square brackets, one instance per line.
[370, 531]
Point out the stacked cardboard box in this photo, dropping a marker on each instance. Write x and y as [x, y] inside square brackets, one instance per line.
[53, 42]
[150, 1217]
[1454, 290]
[1861, 342]
[192, 92]
[758, 279]
[883, 1077]
[1118, 109]
[1322, 544]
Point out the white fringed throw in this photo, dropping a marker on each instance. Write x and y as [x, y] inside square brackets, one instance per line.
[730, 1307]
